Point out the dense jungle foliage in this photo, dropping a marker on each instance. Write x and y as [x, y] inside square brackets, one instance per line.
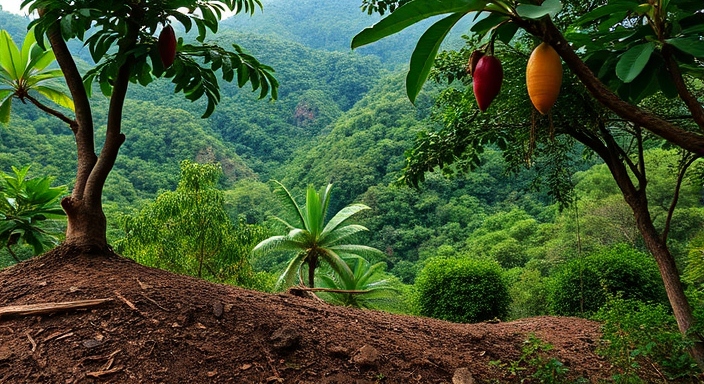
[342, 117]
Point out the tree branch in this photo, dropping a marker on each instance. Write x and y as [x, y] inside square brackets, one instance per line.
[83, 133]
[71, 123]
[692, 103]
[549, 33]
[353, 292]
[687, 160]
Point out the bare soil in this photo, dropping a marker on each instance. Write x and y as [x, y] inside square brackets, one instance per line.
[160, 327]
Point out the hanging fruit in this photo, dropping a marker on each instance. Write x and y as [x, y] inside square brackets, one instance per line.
[473, 60]
[544, 77]
[167, 46]
[487, 75]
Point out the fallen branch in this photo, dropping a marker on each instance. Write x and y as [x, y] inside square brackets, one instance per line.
[154, 302]
[307, 289]
[129, 303]
[46, 308]
[103, 373]
[31, 341]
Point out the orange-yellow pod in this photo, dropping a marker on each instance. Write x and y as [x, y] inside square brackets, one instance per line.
[544, 77]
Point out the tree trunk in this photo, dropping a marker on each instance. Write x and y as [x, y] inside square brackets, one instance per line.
[670, 277]
[86, 221]
[635, 196]
[312, 264]
[87, 226]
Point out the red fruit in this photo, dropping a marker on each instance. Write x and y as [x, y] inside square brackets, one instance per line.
[473, 60]
[167, 46]
[488, 75]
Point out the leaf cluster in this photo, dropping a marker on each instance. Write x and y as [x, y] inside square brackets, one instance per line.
[120, 33]
[24, 69]
[27, 206]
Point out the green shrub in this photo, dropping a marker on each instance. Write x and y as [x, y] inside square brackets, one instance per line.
[528, 294]
[580, 286]
[461, 290]
[640, 338]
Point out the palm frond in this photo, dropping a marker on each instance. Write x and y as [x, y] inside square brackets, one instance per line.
[338, 264]
[342, 216]
[357, 250]
[289, 275]
[276, 243]
[314, 212]
[289, 203]
[341, 233]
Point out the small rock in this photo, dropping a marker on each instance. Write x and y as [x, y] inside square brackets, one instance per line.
[338, 351]
[367, 356]
[285, 339]
[218, 308]
[462, 376]
[91, 343]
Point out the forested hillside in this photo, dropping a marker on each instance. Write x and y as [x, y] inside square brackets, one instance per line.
[343, 117]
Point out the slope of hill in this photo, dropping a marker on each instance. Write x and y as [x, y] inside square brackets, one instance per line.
[161, 327]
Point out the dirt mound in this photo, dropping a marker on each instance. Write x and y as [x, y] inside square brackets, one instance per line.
[160, 327]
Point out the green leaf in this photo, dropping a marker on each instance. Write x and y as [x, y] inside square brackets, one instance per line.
[549, 7]
[56, 95]
[423, 56]
[667, 86]
[5, 110]
[505, 32]
[482, 26]
[8, 54]
[29, 41]
[41, 61]
[692, 45]
[66, 29]
[632, 62]
[606, 11]
[411, 13]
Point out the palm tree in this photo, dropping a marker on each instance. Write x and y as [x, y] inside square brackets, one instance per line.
[369, 287]
[25, 70]
[26, 205]
[311, 240]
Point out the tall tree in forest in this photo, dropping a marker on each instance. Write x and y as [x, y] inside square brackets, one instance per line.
[622, 52]
[121, 38]
[189, 231]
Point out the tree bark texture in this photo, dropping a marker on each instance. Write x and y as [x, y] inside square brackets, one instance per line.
[636, 199]
[86, 221]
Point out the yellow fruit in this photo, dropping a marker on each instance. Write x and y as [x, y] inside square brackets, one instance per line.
[544, 77]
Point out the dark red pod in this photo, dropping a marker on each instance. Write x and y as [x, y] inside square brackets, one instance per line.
[473, 60]
[488, 76]
[167, 46]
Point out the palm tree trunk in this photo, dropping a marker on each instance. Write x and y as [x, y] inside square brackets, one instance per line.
[312, 264]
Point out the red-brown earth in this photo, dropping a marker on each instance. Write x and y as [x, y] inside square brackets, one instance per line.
[159, 327]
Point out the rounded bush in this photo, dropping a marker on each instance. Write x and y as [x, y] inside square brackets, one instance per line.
[461, 290]
[618, 270]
